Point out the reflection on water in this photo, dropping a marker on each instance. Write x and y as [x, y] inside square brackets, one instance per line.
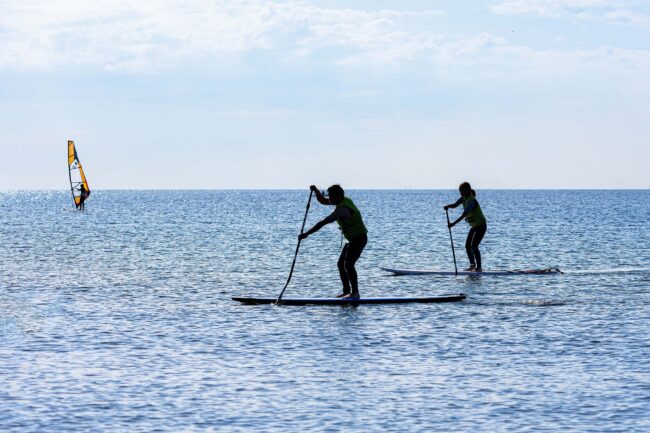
[120, 319]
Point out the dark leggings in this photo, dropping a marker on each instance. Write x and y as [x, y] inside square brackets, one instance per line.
[349, 256]
[474, 238]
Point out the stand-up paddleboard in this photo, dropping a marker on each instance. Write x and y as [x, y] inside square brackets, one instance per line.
[547, 271]
[360, 301]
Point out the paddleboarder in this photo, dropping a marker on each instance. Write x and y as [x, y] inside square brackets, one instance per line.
[349, 220]
[473, 214]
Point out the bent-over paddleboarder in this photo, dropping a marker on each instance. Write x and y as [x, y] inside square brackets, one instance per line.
[349, 220]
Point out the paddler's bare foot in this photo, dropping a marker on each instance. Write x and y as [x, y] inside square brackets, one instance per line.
[471, 268]
[352, 296]
[342, 295]
[478, 270]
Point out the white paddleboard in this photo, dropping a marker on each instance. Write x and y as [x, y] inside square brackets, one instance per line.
[504, 272]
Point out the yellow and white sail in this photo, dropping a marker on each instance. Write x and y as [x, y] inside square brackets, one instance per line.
[78, 183]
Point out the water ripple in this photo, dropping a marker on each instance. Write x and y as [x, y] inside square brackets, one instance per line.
[120, 319]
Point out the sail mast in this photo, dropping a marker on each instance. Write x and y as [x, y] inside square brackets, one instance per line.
[71, 158]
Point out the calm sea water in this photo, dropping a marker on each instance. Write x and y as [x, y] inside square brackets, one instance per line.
[120, 319]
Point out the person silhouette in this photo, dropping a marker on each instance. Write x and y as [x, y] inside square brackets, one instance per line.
[83, 195]
[349, 220]
[478, 225]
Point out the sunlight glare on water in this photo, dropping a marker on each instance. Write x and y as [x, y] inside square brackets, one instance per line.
[120, 319]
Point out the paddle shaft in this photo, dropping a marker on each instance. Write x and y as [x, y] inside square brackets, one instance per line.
[453, 251]
[295, 256]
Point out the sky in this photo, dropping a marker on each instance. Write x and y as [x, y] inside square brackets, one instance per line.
[212, 94]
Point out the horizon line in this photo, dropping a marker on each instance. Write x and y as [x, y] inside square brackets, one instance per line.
[347, 189]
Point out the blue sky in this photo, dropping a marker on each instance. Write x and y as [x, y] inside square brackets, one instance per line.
[369, 94]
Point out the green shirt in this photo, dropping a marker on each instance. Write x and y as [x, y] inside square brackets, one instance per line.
[474, 217]
[353, 226]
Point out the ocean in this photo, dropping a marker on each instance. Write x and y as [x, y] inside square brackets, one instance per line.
[119, 318]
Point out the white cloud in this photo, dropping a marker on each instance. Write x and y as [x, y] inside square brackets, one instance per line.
[116, 35]
[149, 35]
[634, 12]
[603, 61]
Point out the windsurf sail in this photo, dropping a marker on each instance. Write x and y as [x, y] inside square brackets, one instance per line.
[78, 183]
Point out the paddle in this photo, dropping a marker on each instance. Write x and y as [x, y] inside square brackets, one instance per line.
[453, 251]
[297, 248]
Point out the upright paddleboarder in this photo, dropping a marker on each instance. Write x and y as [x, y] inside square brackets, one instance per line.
[349, 220]
[478, 226]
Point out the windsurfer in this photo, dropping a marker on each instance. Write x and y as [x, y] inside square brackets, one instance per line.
[349, 220]
[83, 195]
